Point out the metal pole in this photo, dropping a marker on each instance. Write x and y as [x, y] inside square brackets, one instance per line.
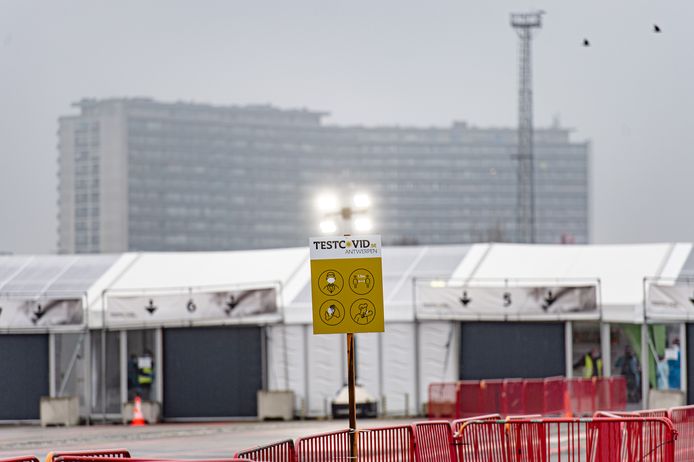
[351, 379]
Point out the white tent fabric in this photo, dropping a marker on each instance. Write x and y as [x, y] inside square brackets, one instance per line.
[620, 269]
[191, 272]
[396, 365]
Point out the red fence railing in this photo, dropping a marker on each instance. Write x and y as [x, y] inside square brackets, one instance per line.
[552, 396]
[282, 451]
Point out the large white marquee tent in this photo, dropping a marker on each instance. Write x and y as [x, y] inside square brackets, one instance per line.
[82, 296]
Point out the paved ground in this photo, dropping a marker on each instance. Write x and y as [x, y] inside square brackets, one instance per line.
[189, 441]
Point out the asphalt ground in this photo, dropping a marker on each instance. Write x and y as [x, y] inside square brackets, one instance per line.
[183, 441]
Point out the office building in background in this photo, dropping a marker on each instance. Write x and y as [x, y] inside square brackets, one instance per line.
[142, 175]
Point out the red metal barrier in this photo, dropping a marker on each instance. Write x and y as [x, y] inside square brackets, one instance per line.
[282, 451]
[512, 397]
[683, 420]
[326, 447]
[552, 396]
[534, 396]
[456, 425]
[434, 442]
[599, 440]
[69, 458]
[112, 453]
[662, 413]
[442, 400]
[492, 396]
[21, 459]
[618, 393]
[582, 395]
[555, 396]
[469, 402]
[387, 444]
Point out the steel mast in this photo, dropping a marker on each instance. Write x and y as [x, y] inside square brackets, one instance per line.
[524, 23]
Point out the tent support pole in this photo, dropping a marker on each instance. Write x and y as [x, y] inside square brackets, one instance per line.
[569, 348]
[645, 363]
[606, 349]
[123, 367]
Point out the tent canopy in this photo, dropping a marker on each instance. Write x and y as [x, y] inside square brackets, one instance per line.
[620, 271]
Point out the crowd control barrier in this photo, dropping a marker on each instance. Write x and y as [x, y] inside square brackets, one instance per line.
[663, 413]
[101, 453]
[445, 397]
[458, 424]
[590, 440]
[683, 420]
[326, 447]
[383, 444]
[552, 396]
[434, 442]
[21, 459]
[282, 451]
[69, 458]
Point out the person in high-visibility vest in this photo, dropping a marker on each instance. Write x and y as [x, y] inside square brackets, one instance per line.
[145, 373]
[591, 363]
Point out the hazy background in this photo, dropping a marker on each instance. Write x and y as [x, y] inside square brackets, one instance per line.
[367, 62]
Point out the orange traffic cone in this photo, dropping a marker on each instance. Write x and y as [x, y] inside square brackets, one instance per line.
[138, 418]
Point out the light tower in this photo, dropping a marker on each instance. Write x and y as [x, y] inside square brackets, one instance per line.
[524, 23]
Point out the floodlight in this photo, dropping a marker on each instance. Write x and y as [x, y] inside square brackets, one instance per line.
[328, 227]
[363, 224]
[361, 200]
[327, 203]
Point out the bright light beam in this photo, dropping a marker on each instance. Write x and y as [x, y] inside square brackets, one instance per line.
[363, 224]
[328, 227]
[361, 200]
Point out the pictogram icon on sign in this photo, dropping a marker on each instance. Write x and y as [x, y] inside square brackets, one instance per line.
[362, 311]
[331, 282]
[361, 281]
[332, 312]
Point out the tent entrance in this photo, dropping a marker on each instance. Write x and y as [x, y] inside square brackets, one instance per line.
[500, 350]
[212, 372]
[24, 362]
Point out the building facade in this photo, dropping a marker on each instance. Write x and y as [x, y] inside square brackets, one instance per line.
[136, 174]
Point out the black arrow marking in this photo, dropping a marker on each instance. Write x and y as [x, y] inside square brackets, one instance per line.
[549, 299]
[691, 299]
[231, 304]
[191, 306]
[465, 299]
[151, 308]
[38, 313]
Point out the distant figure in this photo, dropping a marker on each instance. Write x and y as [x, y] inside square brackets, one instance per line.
[591, 363]
[673, 357]
[662, 373]
[586, 43]
[133, 386]
[656, 29]
[628, 366]
[145, 374]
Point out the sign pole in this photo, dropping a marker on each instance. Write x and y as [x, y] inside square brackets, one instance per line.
[347, 298]
[351, 379]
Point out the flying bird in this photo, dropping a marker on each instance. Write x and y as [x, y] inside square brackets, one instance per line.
[656, 28]
[586, 43]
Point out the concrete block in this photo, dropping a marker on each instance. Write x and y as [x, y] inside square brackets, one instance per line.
[663, 399]
[60, 411]
[275, 404]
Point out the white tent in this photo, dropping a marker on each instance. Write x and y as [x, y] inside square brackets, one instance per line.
[416, 348]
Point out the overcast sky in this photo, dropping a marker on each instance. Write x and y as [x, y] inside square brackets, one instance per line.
[631, 93]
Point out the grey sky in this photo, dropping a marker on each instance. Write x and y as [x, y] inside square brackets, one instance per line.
[371, 62]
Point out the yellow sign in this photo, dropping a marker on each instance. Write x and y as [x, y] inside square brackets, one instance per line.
[346, 284]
